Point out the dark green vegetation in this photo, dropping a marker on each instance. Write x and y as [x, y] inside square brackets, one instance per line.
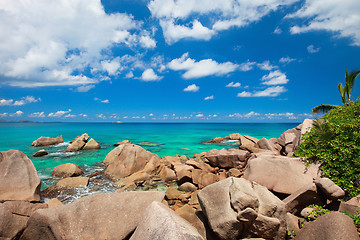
[345, 93]
[334, 141]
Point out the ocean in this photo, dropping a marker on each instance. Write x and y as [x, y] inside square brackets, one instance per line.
[176, 138]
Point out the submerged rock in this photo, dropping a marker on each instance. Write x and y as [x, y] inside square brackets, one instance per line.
[150, 144]
[45, 141]
[40, 153]
[18, 177]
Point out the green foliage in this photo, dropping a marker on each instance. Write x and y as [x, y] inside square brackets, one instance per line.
[334, 141]
[356, 219]
[317, 212]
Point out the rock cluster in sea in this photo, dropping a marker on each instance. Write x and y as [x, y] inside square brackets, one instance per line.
[254, 191]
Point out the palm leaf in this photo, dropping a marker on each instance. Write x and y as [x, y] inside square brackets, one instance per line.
[342, 91]
[323, 108]
[350, 82]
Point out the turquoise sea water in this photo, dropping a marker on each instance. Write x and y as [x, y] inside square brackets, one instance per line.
[177, 138]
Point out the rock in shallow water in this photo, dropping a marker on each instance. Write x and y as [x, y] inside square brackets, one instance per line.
[67, 170]
[45, 141]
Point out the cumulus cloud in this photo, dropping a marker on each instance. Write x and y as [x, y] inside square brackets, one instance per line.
[234, 85]
[100, 100]
[209, 97]
[149, 75]
[247, 66]
[147, 42]
[22, 101]
[111, 66]
[203, 68]
[191, 88]
[129, 75]
[286, 60]
[37, 115]
[85, 88]
[16, 114]
[268, 92]
[336, 16]
[58, 113]
[275, 78]
[199, 115]
[312, 49]
[266, 66]
[35, 53]
[220, 15]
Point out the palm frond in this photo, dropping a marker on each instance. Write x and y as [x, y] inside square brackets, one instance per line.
[350, 82]
[323, 108]
[342, 91]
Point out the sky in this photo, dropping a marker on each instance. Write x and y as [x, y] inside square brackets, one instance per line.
[174, 60]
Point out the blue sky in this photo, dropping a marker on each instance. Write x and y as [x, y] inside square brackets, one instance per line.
[174, 60]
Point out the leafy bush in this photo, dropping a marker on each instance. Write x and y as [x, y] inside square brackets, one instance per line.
[335, 142]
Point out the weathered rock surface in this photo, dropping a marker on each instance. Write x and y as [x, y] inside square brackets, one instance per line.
[84, 137]
[302, 198]
[242, 209]
[73, 182]
[232, 158]
[159, 222]
[187, 187]
[67, 170]
[266, 145]
[91, 144]
[122, 142]
[203, 178]
[11, 225]
[18, 177]
[166, 174]
[77, 145]
[125, 160]
[54, 202]
[280, 174]
[329, 188]
[331, 226]
[99, 216]
[40, 153]
[45, 141]
[23, 208]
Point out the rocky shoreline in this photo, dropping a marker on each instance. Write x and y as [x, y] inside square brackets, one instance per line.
[254, 190]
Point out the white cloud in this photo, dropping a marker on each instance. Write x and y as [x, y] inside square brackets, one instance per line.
[147, 42]
[70, 116]
[100, 100]
[286, 60]
[101, 115]
[219, 14]
[247, 66]
[174, 33]
[59, 113]
[234, 85]
[129, 75]
[312, 49]
[192, 88]
[277, 30]
[37, 115]
[199, 115]
[275, 78]
[85, 88]
[203, 68]
[266, 66]
[268, 92]
[337, 16]
[151, 114]
[22, 101]
[150, 75]
[16, 114]
[251, 114]
[209, 97]
[35, 53]
[4, 114]
[111, 66]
